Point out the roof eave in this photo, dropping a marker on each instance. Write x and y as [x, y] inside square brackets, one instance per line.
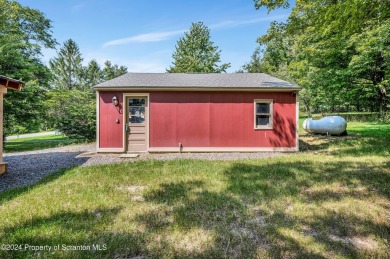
[11, 83]
[264, 89]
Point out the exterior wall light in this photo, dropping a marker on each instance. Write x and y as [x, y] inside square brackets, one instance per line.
[115, 101]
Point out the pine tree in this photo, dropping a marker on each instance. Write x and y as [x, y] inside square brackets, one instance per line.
[196, 53]
[91, 76]
[66, 67]
[111, 71]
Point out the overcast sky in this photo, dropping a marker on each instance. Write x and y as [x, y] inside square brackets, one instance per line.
[142, 34]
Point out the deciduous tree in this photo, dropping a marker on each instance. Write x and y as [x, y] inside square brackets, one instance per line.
[73, 112]
[337, 50]
[23, 33]
[255, 65]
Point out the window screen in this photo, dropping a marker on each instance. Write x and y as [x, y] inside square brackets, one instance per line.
[263, 114]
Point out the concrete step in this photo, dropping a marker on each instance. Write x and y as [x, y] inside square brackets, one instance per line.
[129, 155]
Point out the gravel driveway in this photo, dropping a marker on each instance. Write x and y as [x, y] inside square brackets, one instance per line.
[26, 168]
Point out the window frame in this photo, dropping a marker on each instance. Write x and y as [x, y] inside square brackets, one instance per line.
[271, 114]
[129, 115]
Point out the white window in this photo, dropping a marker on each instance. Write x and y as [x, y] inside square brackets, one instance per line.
[263, 114]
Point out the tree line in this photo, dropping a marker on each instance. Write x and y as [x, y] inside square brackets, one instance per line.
[56, 96]
[338, 51]
[71, 103]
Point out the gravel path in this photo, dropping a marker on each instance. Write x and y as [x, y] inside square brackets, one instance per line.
[26, 168]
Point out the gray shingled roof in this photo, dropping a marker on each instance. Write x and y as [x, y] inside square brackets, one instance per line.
[197, 80]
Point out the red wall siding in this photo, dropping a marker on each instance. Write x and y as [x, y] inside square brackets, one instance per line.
[110, 132]
[204, 119]
[218, 119]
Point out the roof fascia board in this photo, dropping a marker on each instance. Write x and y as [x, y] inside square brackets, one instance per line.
[227, 89]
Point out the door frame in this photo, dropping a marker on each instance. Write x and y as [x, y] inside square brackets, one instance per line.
[125, 118]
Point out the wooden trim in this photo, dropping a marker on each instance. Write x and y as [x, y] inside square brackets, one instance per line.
[110, 150]
[206, 89]
[221, 149]
[202, 149]
[3, 168]
[297, 126]
[97, 119]
[11, 83]
[125, 111]
[271, 112]
[124, 122]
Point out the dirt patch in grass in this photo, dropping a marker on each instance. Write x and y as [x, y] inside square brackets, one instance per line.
[316, 143]
[132, 188]
[135, 192]
[364, 243]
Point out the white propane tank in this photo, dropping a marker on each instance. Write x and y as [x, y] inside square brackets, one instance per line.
[327, 125]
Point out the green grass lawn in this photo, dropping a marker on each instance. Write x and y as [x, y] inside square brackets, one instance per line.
[329, 201]
[36, 143]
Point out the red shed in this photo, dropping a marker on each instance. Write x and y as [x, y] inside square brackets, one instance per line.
[178, 112]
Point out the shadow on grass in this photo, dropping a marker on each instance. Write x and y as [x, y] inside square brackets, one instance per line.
[354, 145]
[241, 226]
[84, 228]
[171, 193]
[192, 207]
[14, 193]
[34, 170]
[292, 180]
